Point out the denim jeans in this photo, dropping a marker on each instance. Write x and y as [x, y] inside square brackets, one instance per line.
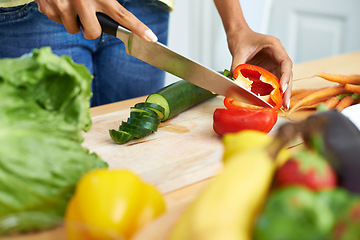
[117, 76]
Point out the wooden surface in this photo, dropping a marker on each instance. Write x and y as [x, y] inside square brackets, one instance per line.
[178, 197]
[183, 151]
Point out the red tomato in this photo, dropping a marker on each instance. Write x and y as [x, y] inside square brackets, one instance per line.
[235, 120]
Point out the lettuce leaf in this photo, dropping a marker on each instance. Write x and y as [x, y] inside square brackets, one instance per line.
[44, 108]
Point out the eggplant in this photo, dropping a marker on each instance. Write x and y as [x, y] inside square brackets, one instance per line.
[336, 138]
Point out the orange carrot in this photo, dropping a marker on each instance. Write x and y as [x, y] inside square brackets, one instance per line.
[318, 96]
[344, 103]
[353, 88]
[295, 92]
[332, 102]
[340, 78]
[301, 93]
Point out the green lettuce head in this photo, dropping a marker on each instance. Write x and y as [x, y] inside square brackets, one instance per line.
[44, 108]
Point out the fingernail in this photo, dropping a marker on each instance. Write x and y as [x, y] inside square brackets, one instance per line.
[288, 104]
[284, 87]
[150, 36]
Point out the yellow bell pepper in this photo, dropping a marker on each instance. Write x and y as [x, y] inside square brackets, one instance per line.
[111, 204]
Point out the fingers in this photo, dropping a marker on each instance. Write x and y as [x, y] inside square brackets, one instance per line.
[90, 26]
[237, 60]
[126, 19]
[286, 87]
[76, 13]
[286, 65]
[265, 51]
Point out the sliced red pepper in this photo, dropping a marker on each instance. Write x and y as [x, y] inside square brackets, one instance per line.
[259, 81]
[235, 120]
[241, 116]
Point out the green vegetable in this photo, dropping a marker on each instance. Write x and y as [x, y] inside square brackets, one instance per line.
[145, 117]
[178, 97]
[160, 111]
[120, 136]
[44, 109]
[347, 225]
[294, 213]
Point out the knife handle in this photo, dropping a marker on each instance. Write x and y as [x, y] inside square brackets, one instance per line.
[107, 24]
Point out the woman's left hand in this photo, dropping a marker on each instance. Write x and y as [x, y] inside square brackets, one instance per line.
[265, 51]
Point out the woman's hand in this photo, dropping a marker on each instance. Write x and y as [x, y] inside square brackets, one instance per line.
[68, 12]
[247, 46]
[265, 51]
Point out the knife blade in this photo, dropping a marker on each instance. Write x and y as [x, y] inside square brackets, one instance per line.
[160, 56]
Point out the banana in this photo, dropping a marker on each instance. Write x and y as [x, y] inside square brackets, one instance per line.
[227, 208]
[246, 139]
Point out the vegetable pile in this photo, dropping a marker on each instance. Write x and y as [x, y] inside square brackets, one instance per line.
[340, 96]
[268, 192]
[44, 108]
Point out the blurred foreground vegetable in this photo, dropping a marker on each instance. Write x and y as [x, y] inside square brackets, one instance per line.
[111, 204]
[44, 109]
[230, 205]
[227, 208]
[294, 213]
[306, 168]
[335, 137]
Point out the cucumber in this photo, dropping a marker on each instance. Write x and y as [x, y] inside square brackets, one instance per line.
[167, 102]
[135, 130]
[143, 123]
[120, 137]
[145, 111]
[177, 97]
[145, 116]
[152, 106]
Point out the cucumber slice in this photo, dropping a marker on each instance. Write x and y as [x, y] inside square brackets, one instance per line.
[120, 137]
[169, 101]
[144, 110]
[153, 106]
[145, 116]
[143, 123]
[135, 130]
[179, 96]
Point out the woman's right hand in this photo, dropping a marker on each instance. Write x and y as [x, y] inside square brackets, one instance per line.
[68, 12]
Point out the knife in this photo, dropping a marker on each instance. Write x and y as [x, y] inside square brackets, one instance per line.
[160, 56]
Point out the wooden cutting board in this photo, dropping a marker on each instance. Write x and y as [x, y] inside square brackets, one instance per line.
[183, 151]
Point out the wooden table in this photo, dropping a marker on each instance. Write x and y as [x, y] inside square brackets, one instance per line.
[177, 200]
[342, 64]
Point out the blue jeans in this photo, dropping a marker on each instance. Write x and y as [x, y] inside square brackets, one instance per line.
[117, 76]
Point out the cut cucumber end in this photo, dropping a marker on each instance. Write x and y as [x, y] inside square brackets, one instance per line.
[160, 100]
[152, 106]
[120, 137]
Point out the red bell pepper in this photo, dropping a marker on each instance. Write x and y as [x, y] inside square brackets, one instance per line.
[240, 116]
[259, 81]
[235, 120]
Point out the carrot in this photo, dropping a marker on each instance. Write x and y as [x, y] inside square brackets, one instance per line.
[332, 102]
[295, 92]
[353, 88]
[318, 96]
[301, 94]
[344, 103]
[340, 78]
